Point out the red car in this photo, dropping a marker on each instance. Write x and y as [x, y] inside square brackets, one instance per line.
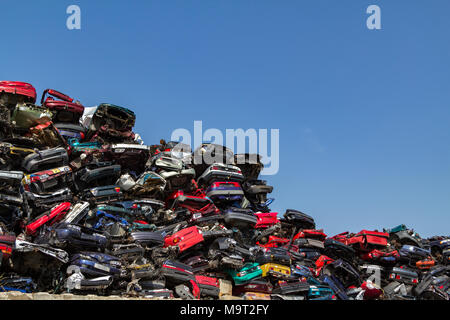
[311, 234]
[367, 240]
[199, 205]
[321, 262]
[49, 217]
[184, 239]
[274, 242]
[266, 220]
[342, 237]
[377, 255]
[66, 110]
[208, 286]
[20, 88]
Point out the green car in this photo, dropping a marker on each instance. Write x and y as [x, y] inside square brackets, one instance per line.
[401, 235]
[320, 292]
[83, 146]
[26, 115]
[398, 228]
[114, 210]
[248, 272]
[137, 226]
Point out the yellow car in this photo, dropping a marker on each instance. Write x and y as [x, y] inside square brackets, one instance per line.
[16, 153]
[21, 151]
[276, 270]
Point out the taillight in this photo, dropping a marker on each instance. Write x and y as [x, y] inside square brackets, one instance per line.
[34, 179]
[6, 250]
[415, 281]
[117, 189]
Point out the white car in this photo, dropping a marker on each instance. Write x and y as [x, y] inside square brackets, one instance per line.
[220, 172]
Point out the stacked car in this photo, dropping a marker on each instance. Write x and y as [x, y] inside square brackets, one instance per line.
[87, 208]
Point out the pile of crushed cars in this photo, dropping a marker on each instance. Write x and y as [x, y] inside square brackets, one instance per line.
[86, 207]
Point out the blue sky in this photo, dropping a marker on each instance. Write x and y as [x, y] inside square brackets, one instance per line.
[363, 115]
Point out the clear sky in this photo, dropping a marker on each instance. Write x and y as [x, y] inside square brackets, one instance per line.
[363, 114]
